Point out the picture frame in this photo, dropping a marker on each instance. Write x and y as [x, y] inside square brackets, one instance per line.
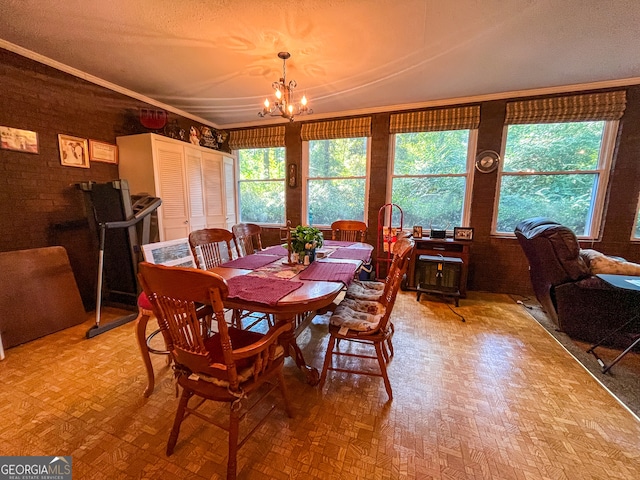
[417, 231]
[463, 233]
[18, 140]
[173, 253]
[74, 151]
[103, 152]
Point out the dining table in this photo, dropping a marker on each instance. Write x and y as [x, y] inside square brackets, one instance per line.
[268, 282]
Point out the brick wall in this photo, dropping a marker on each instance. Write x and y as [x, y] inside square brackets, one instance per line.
[39, 203]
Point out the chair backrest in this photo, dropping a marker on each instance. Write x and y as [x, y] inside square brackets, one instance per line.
[554, 258]
[186, 302]
[211, 247]
[404, 248]
[349, 230]
[247, 237]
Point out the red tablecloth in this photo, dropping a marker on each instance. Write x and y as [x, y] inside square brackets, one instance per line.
[259, 289]
[329, 272]
[251, 262]
[275, 250]
[337, 243]
[352, 253]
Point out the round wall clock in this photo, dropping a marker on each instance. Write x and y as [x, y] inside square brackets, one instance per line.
[487, 161]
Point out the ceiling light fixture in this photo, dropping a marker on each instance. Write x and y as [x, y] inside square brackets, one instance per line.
[284, 104]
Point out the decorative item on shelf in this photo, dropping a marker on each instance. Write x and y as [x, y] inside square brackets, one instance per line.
[438, 232]
[304, 241]
[463, 233]
[172, 130]
[417, 231]
[285, 236]
[207, 138]
[284, 104]
[487, 161]
[221, 137]
[152, 119]
[193, 136]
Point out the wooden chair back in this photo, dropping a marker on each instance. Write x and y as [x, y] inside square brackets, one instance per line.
[247, 236]
[349, 230]
[211, 247]
[188, 303]
[404, 248]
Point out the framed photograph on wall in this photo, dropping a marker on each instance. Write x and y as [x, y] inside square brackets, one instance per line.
[463, 233]
[18, 140]
[103, 152]
[74, 151]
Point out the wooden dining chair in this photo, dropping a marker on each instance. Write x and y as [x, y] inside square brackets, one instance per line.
[247, 237]
[372, 290]
[212, 247]
[349, 230]
[367, 322]
[212, 361]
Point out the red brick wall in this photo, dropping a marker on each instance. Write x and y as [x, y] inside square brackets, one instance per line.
[37, 193]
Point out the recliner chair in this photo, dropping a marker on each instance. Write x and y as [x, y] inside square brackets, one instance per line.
[582, 305]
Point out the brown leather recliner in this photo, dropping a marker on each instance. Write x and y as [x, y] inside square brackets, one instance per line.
[582, 305]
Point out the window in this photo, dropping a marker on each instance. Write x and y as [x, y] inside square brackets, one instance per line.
[636, 233]
[555, 170]
[336, 180]
[430, 177]
[261, 185]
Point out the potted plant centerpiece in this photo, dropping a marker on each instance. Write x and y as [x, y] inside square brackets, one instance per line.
[305, 240]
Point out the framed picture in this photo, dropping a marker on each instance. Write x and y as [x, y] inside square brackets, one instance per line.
[103, 152]
[74, 151]
[417, 231]
[463, 233]
[173, 253]
[18, 140]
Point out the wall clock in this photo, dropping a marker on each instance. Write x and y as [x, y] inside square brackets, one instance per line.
[487, 161]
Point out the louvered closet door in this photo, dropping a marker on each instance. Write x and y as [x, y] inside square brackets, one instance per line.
[197, 217]
[171, 187]
[214, 190]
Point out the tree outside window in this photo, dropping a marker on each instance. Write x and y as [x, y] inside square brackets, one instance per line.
[336, 180]
[430, 177]
[261, 185]
[555, 170]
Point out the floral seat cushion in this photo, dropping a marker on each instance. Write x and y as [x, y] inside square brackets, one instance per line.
[359, 315]
[365, 290]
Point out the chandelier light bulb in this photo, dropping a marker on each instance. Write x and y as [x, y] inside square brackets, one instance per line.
[285, 104]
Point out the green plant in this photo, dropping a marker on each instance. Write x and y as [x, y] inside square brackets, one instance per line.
[305, 238]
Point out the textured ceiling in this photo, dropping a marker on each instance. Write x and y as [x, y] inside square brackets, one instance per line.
[216, 59]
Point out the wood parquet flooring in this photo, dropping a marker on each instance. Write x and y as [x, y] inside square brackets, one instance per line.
[491, 398]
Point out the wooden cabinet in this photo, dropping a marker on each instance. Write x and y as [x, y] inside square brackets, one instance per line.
[196, 184]
[437, 247]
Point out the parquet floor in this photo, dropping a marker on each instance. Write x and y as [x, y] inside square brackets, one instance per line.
[492, 398]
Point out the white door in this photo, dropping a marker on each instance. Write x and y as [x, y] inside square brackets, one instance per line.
[195, 187]
[174, 212]
[229, 191]
[214, 190]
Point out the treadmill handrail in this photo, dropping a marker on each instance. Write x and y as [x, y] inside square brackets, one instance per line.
[136, 218]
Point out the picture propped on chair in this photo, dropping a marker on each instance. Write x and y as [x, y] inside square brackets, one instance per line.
[74, 151]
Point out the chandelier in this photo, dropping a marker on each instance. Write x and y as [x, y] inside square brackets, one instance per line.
[284, 104]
